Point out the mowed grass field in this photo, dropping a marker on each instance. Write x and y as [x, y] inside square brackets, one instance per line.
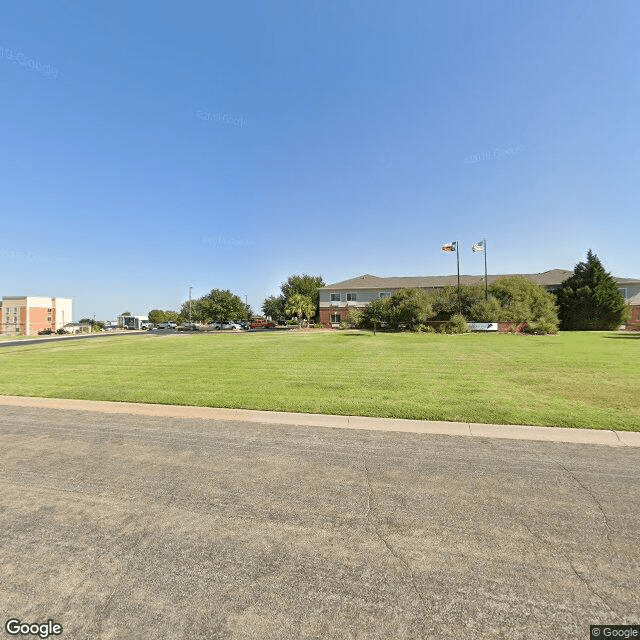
[589, 380]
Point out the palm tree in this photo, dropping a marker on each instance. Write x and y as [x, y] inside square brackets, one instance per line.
[299, 306]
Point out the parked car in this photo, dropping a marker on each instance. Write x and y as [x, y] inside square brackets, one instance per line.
[147, 326]
[167, 325]
[190, 326]
[261, 323]
[227, 325]
[45, 332]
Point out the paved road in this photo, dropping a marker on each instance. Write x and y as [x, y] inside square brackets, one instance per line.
[122, 526]
[23, 342]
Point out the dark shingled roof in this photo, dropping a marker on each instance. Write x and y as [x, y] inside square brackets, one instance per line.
[553, 277]
[368, 281]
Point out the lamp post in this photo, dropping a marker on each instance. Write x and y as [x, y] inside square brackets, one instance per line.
[190, 304]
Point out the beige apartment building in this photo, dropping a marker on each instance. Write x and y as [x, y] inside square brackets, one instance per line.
[26, 315]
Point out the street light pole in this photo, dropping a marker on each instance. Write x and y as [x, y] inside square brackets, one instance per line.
[190, 304]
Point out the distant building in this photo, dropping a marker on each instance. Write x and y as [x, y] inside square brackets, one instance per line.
[337, 299]
[26, 315]
[77, 327]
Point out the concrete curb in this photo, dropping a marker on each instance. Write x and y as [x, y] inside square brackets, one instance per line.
[512, 432]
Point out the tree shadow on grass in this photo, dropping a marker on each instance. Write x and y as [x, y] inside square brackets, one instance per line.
[624, 335]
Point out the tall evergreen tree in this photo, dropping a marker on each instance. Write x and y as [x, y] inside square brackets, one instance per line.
[590, 299]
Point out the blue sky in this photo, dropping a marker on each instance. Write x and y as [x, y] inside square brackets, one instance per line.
[151, 146]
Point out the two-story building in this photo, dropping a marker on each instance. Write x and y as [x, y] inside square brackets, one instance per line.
[337, 299]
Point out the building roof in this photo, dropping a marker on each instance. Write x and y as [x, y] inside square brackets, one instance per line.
[368, 281]
[553, 277]
[634, 301]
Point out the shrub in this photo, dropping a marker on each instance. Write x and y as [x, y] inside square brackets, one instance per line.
[355, 318]
[427, 328]
[318, 325]
[486, 311]
[344, 324]
[457, 324]
[524, 301]
[291, 322]
[445, 301]
[410, 308]
[541, 327]
[405, 309]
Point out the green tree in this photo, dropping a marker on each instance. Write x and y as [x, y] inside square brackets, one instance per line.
[305, 285]
[409, 308]
[126, 313]
[156, 316]
[273, 307]
[299, 305]
[525, 301]
[376, 313]
[590, 299]
[216, 306]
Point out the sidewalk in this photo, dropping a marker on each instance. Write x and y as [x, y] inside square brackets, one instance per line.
[513, 432]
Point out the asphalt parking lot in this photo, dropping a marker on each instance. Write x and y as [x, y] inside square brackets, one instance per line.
[122, 526]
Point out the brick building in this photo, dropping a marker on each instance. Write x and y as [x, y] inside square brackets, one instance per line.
[26, 315]
[337, 299]
[634, 304]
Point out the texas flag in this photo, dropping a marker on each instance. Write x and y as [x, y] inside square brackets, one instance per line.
[449, 247]
[478, 246]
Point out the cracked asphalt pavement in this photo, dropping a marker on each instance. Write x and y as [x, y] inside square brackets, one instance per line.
[129, 526]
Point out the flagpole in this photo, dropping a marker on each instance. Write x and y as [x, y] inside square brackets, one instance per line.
[486, 286]
[458, 259]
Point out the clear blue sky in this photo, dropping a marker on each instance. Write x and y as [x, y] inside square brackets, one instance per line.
[149, 146]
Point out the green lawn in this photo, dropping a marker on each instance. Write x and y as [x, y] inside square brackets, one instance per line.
[587, 380]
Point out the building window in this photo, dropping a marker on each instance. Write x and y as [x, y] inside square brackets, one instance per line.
[335, 318]
[335, 297]
[384, 294]
[49, 310]
[623, 291]
[48, 318]
[351, 297]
